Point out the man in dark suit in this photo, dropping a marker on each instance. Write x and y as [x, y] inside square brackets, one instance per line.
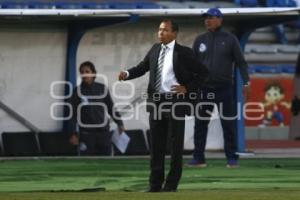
[174, 74]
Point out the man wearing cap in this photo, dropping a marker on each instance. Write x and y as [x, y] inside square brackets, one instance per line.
[219, 51]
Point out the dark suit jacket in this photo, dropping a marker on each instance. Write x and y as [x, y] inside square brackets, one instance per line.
[186, 69]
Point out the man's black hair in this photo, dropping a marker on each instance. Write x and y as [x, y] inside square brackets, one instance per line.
[174, 25]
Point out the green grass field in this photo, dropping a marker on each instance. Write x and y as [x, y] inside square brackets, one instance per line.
[261, 179]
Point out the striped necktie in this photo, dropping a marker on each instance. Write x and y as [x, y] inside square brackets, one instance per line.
[160, 65]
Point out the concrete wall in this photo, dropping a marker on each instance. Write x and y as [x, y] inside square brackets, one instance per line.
[30, 60]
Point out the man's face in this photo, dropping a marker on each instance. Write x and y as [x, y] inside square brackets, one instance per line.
[165, 33]
[87, 75]
[212, 22]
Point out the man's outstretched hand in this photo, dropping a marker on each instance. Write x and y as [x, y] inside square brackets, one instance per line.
[122, 76]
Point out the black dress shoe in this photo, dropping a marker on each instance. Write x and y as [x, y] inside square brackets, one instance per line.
[153, 190]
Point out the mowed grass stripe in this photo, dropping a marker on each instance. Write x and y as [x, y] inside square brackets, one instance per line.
[132, 175]
[250, 194]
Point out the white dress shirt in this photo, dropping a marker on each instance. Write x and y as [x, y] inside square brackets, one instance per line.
[168, 76]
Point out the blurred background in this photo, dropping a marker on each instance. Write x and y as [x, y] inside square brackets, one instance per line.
[40, 56]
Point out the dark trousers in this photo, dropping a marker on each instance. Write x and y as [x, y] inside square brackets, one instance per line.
[224, 99]
[96, 143]
[159, 130]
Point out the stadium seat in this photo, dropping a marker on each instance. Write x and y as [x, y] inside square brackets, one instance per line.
[88, 5]
[288, 49]
[247, 49]
[195, 4]
[251, 69]
[36, 4]
[19, 144]
[280, 33]
[170, 4]
[248, 3]
[14, 5]
[56, 144]
[289, 69]
[137, 144]
[209, 4]
[145, 5]
[281, 3]
[267, 49]
[283, 68]
[64, 5]
[115, 5]
[268, 69]
[40, 5]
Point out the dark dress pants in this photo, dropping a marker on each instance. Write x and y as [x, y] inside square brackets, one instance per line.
[159, 130]
[224, 99]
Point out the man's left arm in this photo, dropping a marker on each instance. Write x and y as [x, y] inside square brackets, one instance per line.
[241, 63]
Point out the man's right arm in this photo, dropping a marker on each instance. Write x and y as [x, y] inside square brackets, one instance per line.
[138, 70]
